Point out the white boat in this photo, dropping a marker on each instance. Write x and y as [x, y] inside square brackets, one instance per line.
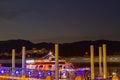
[47, 63]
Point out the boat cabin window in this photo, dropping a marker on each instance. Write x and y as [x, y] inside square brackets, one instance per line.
[52, 59]
[36, 67]
[67, 66]
[64, 67]
[60, 66]
[71, 66]
[49, 66]
[41, 66]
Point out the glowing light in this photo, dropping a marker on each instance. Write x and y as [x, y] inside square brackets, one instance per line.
[40, 74]
[29, 73]
[64, 74]
[17, 72]
[49, 73]
[80, 72]
[50, 53]
[2, 71]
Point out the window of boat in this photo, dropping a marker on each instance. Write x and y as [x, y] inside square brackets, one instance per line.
[53, 66]
[69, 66]
[49, 66]
[63, 66]
[31, 66]
[60, 66]
[41, 66]
[52, 59]
[36, 67]
[72, 66]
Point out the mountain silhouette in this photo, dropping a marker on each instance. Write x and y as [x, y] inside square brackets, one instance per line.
[73, 49]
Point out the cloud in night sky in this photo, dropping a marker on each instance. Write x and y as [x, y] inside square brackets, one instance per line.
[10, 9]
[59, 21]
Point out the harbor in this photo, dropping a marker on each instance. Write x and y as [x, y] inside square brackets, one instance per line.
[47, 67]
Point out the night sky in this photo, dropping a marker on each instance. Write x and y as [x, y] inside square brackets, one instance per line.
[59, 20]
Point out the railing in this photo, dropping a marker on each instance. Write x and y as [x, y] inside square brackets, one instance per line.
[8, 73]
[29, 74]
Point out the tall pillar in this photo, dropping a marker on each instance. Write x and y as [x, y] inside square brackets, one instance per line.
[92, 62]
[13, 61]
[13, 58]
[56, 62]
[23, 60]
[104, 62]
[100, 62]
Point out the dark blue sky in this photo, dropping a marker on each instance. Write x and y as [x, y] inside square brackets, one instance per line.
[59, 20]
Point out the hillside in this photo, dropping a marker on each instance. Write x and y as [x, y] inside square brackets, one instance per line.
[65, 49]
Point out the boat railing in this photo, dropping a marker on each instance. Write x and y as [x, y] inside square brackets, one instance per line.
[37, 73]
